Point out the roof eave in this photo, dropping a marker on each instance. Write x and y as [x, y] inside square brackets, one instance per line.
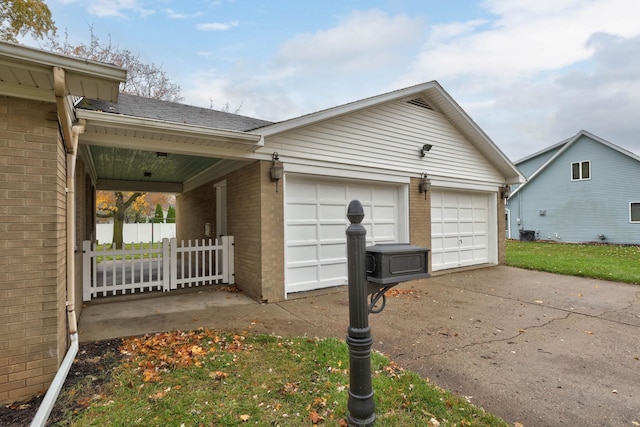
[119, 121]
[83, 77]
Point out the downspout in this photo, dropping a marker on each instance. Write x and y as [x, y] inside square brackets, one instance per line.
[70, 133]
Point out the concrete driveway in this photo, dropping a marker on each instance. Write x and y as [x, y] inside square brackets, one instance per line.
[534, 348]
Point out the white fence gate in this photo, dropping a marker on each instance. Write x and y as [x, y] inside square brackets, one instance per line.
[165, 266]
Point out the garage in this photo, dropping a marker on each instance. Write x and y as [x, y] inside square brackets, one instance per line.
[461, 233]
[315, 225]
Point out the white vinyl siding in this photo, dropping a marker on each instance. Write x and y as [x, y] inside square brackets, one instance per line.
[461, 230]
[387, 139]
[316, 222]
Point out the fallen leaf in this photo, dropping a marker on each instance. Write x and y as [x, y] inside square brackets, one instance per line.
[218, 375]
[158, 395]
[244, 418]
[588, 332]
[315, 417]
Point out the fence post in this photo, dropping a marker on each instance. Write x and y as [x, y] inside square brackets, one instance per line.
[166, 268]
[360, 404]
[173, 256]
[86, 270]
[229, 259]
[224, 257]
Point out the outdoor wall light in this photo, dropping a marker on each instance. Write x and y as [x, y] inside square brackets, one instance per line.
[277, 168]
[505, 191]
[425, 184]
[424, 149]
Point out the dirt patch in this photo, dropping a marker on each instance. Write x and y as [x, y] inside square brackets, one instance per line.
[92, 367]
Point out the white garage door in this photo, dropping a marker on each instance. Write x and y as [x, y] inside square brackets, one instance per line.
[316, 221]
[460, 229]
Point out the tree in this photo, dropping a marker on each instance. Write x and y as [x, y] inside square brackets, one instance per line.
[116, 209]
[128, 207]
[148, 80]
[22, 17]
[171, 215]
[159, 215]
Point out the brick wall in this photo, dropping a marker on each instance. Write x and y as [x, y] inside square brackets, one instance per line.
[32, 240]
[419, 218]
[244, 222]
[502, 234]
[193, 209]
[254, 218]
[272, 236]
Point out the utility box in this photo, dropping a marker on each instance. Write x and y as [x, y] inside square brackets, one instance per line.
[527, 235]
[389, 263]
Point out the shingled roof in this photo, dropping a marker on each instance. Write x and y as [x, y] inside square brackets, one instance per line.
[138, 106]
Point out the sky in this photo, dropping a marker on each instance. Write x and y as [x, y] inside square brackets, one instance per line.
[530, 73]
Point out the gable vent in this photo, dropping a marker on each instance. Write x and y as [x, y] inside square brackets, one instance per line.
[419, 102]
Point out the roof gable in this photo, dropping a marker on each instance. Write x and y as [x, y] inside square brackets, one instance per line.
[552, 153]
[428, 95]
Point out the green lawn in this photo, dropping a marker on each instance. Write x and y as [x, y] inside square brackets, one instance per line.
[620, 263]
[208, 378]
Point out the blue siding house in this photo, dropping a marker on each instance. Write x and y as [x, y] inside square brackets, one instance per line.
[583, 189]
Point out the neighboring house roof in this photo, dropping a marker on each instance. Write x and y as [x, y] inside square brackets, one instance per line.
[138, 106]
[551, 153]
[437, 98]
[27, 73]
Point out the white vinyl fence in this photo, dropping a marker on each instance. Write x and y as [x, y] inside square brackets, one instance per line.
[138, 232]
[165, 266]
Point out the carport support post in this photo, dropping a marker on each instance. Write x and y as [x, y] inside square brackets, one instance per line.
[360, 406]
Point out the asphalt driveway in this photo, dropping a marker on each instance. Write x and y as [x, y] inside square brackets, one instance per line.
[534, 348]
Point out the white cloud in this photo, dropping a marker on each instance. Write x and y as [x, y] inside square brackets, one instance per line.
[217, 26]
[178, 15]
[252, 97]
[116, 8]
[538, 72]
[365, 39]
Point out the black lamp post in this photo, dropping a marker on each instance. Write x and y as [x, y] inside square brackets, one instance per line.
[360, 406]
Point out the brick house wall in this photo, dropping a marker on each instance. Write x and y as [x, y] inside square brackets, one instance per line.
[254, 217]
[502, 230]
[33, 335]
[272, 238]
[244, 222]
[193, 209]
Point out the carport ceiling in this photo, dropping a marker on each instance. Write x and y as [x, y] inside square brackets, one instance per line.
[116, 164]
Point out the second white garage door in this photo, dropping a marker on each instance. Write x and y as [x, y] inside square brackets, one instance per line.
[461, 234]
[315, 225]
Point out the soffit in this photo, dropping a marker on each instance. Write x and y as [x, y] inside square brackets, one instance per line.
[27, 73]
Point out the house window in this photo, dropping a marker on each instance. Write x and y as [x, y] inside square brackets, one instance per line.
[634, 212]
[580, 171]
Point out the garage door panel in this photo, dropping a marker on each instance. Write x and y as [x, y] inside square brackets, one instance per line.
[333, 251]
[333, 273]
[303, 254]
[332, 211]
[330, 191]
[303, 275]
[302, 211]
[303, 232]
